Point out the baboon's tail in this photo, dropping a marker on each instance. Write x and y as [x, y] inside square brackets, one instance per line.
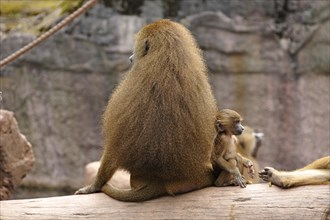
[140, 194]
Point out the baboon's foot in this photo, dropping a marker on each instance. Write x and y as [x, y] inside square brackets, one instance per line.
[87, 190]
[240, 180]
[269, 174]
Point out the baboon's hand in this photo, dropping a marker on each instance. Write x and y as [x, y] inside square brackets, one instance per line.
[250, 169]
[240, 181]
[87, 190]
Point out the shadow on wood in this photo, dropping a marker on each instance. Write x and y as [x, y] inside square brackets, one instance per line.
[258, 201]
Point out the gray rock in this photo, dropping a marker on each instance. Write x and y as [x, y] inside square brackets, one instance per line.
[236, 45]
[16, 155]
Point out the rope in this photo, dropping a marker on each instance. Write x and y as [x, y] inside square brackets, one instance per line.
[44, 36]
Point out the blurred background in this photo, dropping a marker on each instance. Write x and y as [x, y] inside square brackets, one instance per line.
[267, 59]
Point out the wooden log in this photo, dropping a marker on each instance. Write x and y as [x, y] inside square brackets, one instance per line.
[257, 201]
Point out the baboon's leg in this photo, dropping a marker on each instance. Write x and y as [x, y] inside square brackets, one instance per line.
[295, 178]
[225, 179]
[182, 186]
[104, 174]
[322, 163]
[141, 190]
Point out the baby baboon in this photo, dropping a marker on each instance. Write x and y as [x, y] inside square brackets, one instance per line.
[316, 173]
[159, 122]
[248, 144]
[225, 158]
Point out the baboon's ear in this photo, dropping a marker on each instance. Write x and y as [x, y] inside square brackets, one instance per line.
[258, 135]
[219, 127]
[147, 46]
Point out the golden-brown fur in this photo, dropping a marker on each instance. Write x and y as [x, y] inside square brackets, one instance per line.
[225, 159]
[316, 173]
[158, 124]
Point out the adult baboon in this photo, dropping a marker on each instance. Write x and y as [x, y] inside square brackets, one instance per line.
[159, 122]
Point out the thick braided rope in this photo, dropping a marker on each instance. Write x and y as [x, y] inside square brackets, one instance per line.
[44, 36]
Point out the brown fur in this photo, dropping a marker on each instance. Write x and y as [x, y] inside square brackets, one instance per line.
[158, 124]
[225, 159]
[316, 173]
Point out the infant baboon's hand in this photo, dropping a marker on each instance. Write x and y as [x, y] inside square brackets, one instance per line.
[250, 169]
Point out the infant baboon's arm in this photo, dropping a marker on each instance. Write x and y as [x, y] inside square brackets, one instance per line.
[246, 163]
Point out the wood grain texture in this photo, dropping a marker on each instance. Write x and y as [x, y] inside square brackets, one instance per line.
[257, 201]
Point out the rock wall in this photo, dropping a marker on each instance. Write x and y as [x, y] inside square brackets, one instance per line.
[279, 83]
[269, 60]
